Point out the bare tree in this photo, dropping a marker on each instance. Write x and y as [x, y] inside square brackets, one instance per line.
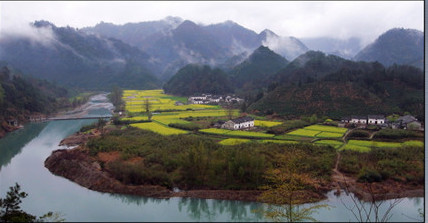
[147, 106]
[370, 211]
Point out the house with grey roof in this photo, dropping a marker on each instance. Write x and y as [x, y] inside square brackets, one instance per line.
[239, 123]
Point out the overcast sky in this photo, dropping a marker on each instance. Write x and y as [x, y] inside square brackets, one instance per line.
[366, 20]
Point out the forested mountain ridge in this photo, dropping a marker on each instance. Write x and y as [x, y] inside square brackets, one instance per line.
[22, 96]
[75, 59]
[335, 87]
[400, 46]
[196, 79]
[256, 70]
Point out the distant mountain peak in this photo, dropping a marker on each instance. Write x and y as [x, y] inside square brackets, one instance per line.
[267, 33]
[397, 45]
[43, 23]
[173, 20]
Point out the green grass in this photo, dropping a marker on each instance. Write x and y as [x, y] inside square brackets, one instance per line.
[277, 141]
[413, 143]
[333, 143]
[266, 123]
[233, 141]
[159, 128]
[374, 144]
[227, 132]
[304, 133]
[325, 128]
[249, 134]
[215, 131]
[329, 135]
[356, 148]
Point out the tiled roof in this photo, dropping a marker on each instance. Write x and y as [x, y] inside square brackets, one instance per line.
[242, 119]
[376, 117]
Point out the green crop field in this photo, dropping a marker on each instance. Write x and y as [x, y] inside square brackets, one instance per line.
[374, 144]
[166, 120]
[335, 144]
[356, 148]
[324, 128]
[227, 132]
[329, 135]
[249, 134]
[277, 141]
[304, 133]
[413, 143]
[266, 123]
[232, 141]
[135, 100]
[215, 131]
[159, 128]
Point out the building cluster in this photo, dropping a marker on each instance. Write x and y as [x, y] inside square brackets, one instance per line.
[403, 122]
[214, 99]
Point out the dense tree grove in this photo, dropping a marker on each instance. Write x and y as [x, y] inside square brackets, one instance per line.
[21, 96]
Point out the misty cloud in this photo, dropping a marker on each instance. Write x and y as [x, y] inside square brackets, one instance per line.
[285, 46]
[37, 35]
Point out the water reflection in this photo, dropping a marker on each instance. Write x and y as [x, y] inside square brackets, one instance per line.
[12, 144]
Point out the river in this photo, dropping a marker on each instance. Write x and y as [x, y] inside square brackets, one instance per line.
[22, 156]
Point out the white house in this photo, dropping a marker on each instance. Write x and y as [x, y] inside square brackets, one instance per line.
[239, 123]
[358, 120]
[376, 119]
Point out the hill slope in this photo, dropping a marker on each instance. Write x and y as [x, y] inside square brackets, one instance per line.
[345, 88]
[73, 58]
[196, 79]
[400, 46]
[255, 71]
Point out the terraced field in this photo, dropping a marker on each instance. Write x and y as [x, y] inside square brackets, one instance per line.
[319, 131]
[159, 128]
[236, 133]
[233, 141]
[266, 123]
[135, 99]
[365, 146]
[334, 143]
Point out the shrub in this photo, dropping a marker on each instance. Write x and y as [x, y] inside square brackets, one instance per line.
[397, 134]
[189, 127]
[369, 175]
[357, 133]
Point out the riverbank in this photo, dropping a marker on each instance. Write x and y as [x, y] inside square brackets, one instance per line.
[78, 166]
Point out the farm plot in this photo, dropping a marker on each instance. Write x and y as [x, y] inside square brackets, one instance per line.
[304, 133]
[232, 141]
[277, 141]
[215, 131]
[159, 101]
[266, 123]
[237, 133]
[374, 144]
[324, 128]
[333, 143]
[159, 128]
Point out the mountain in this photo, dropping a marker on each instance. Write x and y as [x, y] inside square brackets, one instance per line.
[173, 43]
[308, 67]
[288, 47]
[343, 87]
[345, 48]
[255, 71]
[22, 96]
[197, 79]
[400, 46]
[73, 58]
[134, 33]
